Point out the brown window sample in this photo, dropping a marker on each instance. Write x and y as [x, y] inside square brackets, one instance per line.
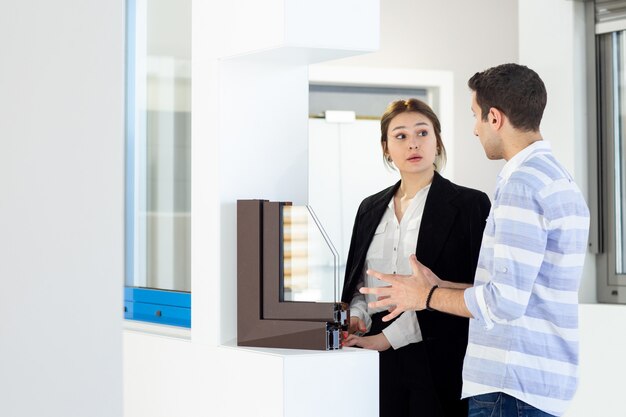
[264, 318]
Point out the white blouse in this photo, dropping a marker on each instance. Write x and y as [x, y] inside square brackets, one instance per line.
[389, 253]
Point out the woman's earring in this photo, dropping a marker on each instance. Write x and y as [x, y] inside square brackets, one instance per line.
[389, 159]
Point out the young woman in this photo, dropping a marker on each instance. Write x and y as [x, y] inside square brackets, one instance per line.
[421, 354]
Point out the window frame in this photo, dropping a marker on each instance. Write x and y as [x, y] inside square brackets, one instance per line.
[603, 238]
[153, 305]
[263, 319]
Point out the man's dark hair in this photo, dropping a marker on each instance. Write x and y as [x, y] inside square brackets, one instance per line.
[515, 90]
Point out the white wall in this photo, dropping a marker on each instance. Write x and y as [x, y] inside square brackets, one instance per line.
[454, 35]
[602, 368]
[61, 208]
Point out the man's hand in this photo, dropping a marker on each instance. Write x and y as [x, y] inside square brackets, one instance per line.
[356, 325]
[406, 292]
[377, 342]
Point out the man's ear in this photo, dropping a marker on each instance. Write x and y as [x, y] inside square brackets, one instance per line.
[496, 118]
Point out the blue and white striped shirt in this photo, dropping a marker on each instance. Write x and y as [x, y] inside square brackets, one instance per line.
[523, 340]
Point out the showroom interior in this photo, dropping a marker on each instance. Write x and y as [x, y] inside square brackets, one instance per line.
[246, 71]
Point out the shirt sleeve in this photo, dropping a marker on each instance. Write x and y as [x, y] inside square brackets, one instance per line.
[358, 308]
[475, 302]
[520, 240]
[404, 330]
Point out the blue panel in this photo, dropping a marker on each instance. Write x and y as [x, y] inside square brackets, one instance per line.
[154, 296]
[157, 306]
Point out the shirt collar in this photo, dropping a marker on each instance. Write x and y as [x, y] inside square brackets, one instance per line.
[514, 163]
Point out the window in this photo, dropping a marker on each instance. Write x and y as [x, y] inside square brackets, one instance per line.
[283, 253]
[608, 180]
[611, 50]
[158, 154]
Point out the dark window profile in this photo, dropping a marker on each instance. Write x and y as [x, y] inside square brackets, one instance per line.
[264, 318]
[610, 173]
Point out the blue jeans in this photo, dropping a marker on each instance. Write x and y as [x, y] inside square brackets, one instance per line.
[499, 404]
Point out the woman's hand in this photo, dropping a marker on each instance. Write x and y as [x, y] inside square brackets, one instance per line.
[377, 342]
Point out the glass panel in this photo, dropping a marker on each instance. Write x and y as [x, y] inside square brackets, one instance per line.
[158, 144]
[310, 261]
[619, 48]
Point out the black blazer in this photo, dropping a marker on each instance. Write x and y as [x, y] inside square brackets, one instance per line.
[448, 243]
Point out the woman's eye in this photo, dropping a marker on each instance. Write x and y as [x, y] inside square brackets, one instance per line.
[423, 133]
[401, 136]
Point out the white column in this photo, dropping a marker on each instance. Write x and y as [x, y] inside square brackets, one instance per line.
[249, 124]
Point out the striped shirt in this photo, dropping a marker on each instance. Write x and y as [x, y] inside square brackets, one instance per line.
[523, 340]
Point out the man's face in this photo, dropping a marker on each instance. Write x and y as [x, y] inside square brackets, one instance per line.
[492, 144]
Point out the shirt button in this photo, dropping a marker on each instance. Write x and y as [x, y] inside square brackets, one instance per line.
[394, 249]
[394, 272]
[505, 269]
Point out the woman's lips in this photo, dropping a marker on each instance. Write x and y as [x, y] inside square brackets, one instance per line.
[414, 158]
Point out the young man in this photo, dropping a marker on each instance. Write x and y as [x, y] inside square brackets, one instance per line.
[522, 355]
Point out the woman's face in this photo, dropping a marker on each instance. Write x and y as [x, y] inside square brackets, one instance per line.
[411, 143]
